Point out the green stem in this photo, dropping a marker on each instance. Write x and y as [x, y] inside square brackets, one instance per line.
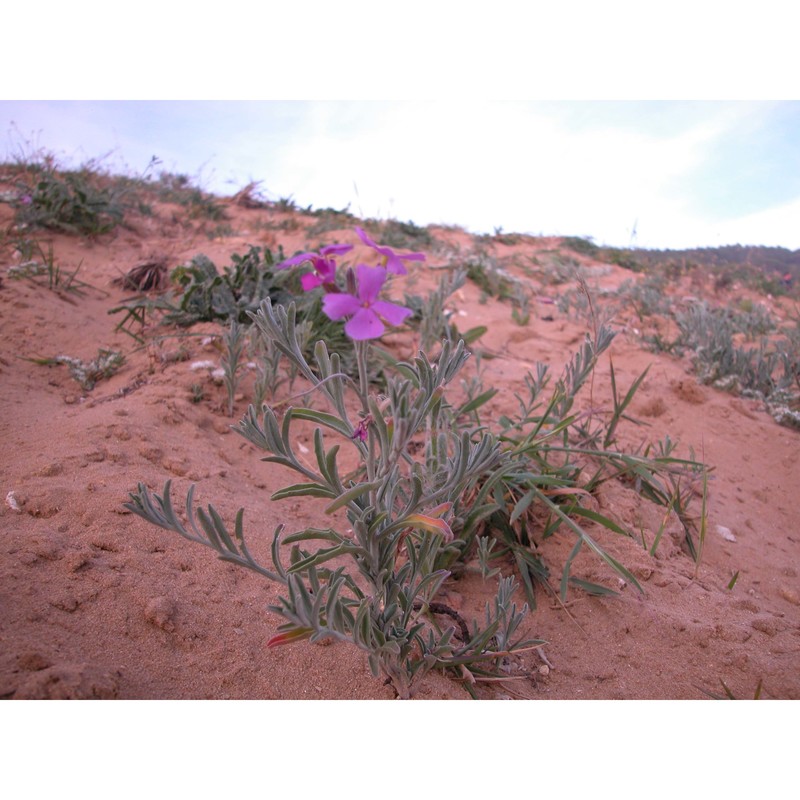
[362, 353]
[362, 360]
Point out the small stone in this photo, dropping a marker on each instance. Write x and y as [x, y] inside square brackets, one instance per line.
[13, 503]
[544, 670]
[726, 533]
[55, 468]
[789, 594]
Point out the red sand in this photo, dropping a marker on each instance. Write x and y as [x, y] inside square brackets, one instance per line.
[97, 603]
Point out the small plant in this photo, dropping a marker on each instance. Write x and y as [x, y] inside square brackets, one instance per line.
[585, 247]
[574, 303]
[197, 393]
[178, 189]
[266, 360]
[329, 219]
[560, 268]
[434, 320]
[202, 294]
[207, 295]
[70, 202]
[397, 512]
[401, 234]
[521, 302]
[646, 297]
[234, 345]
[434, 485]
[88, 373]
[484, 271]
[57, 280]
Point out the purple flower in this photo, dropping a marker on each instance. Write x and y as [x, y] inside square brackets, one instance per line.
[323, 263]
[324, 273]
[361, 429]
[363, 307]
[391, 260]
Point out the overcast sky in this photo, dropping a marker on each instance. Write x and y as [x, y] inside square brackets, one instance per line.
[653, 174]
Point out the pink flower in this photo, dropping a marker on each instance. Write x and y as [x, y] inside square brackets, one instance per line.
[361, 429]
[324, 266]
[391, 260]
[363, 307]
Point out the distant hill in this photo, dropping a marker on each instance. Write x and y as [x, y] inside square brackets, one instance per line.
[774, 259]
[764, 266]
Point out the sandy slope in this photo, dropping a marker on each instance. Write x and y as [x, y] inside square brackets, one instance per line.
[94, 602]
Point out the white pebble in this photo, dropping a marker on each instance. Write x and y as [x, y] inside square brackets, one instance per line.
[726, 533]
[11, 502]
[196, 365]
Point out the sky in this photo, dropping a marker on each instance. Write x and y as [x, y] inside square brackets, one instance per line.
[657, 174]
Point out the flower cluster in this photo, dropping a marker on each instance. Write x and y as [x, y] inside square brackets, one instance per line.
[360, 303]
[324, 266]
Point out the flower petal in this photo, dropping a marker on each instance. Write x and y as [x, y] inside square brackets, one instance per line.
[395, 265]
[394, 314]
[310, 281]
[364, 325]
[394, 262]
[300, 258]
[370, 282]
[338, 304]
[335, 249]
[326, 269]
[362, 234]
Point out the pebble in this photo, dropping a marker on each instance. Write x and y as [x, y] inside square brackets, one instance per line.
[55, 468]
[726, 533]
[11, 502]
[789, 594]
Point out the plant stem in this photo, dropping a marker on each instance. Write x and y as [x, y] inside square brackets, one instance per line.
[362, 359]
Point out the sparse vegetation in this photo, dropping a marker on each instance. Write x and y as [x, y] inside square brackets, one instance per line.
[88, 373]
[67, 202]
[426, 481]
